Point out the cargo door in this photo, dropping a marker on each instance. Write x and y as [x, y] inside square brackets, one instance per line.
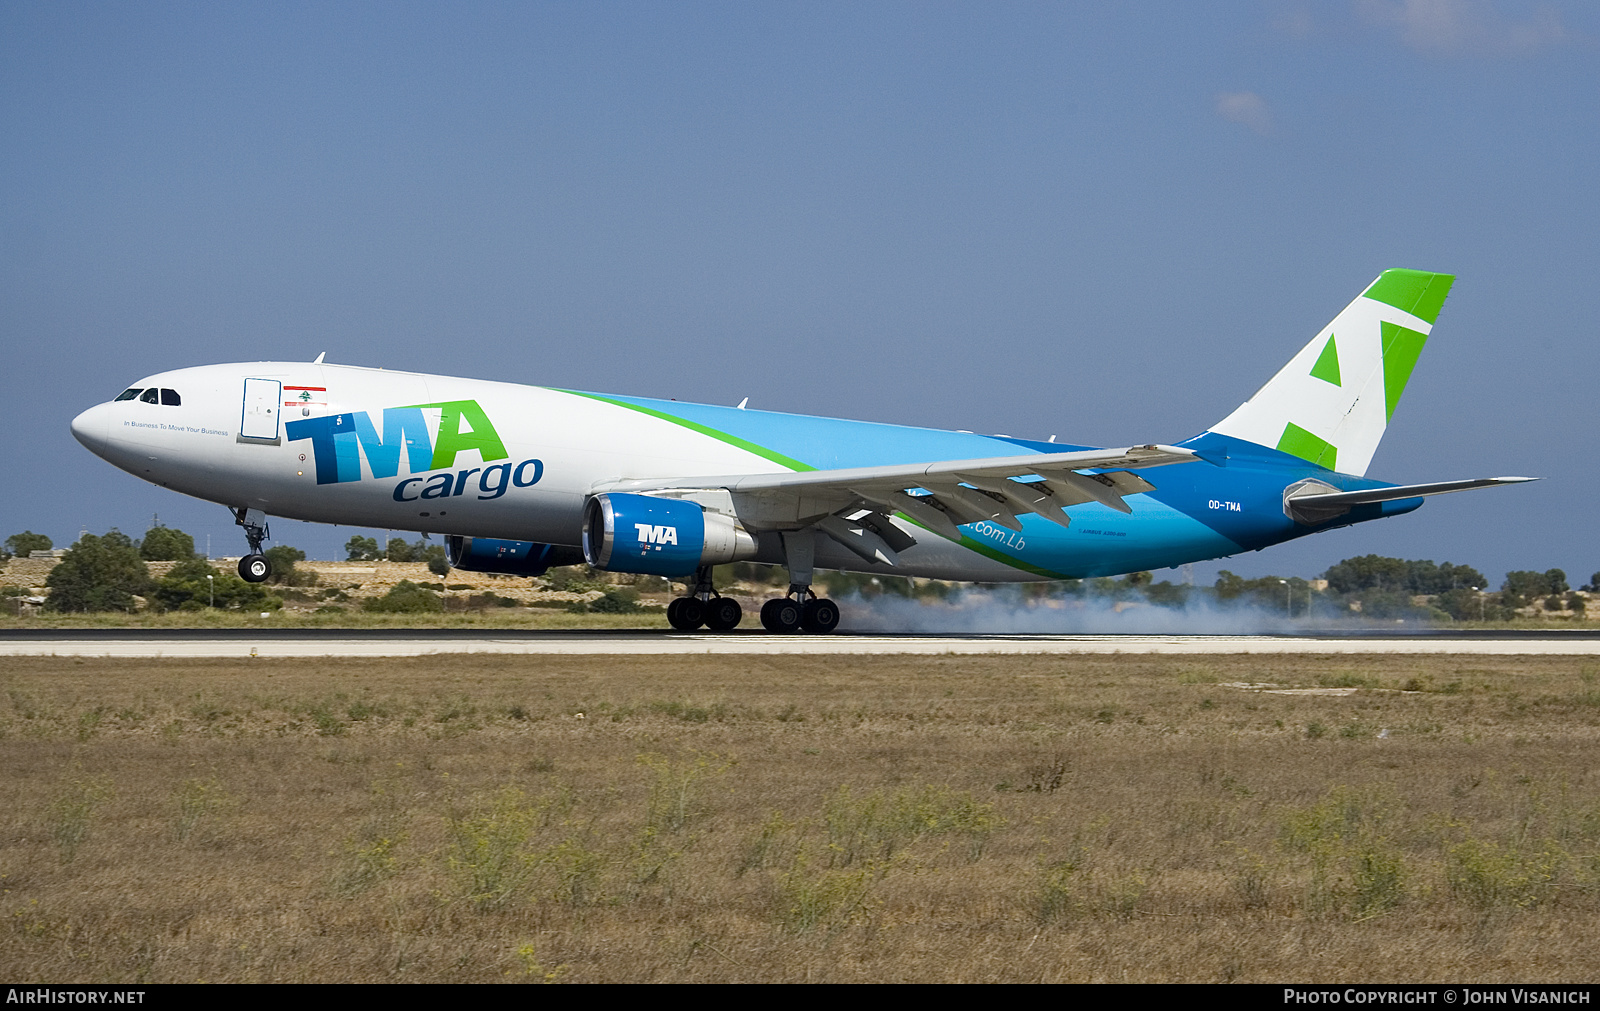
[261, 400]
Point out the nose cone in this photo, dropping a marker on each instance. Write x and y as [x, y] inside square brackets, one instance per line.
[90, 428]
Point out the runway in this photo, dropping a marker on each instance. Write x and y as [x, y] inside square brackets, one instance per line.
[388, 643]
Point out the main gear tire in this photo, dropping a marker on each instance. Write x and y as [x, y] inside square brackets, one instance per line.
[820, 616]
[782, 615]
[686, 614]
[723, 614]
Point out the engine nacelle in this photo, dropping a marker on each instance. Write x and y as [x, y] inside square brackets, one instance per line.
[659, 536]
[510, 558]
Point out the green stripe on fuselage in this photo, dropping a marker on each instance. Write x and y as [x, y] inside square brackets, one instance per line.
[733, 440]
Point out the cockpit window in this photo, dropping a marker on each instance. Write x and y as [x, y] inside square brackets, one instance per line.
[128, 394]
[170, 398]
[150, 396]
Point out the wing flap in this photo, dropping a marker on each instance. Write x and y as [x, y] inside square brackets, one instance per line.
[940, 496]
[858, 538]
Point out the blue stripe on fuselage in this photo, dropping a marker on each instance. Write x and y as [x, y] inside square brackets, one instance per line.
[833, 443]
[1231, 502]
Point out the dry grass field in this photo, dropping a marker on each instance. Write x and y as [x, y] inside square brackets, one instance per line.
[577, 819]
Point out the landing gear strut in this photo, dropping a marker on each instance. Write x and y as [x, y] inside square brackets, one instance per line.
[254, 567]
[704, 606]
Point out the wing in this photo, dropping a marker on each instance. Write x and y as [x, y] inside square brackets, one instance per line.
[853, 505]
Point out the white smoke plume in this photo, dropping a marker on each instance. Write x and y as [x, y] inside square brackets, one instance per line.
[1007, 612]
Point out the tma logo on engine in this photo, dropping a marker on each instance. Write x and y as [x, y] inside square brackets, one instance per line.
[431, 436]
[652, 533]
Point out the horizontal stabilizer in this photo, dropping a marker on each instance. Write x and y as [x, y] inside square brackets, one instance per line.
[1312, 502]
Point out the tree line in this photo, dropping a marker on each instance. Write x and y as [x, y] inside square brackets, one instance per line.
[1369, 586]
[106, 573]
[1376, 586]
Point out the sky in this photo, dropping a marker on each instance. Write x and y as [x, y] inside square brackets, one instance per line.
[1107, 223]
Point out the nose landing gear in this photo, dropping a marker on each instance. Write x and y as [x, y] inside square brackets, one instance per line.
[254, 567]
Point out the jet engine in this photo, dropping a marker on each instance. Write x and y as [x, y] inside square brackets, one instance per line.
[659, 536]
[511, 558]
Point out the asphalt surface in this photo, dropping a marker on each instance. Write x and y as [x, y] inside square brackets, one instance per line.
[281, 642]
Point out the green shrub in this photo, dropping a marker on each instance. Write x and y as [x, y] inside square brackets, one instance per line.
[621, 600]
[186, 588]
[876, 826]
[571, 578]
[490, 853]
[1379, 878]
[1486, 875]
[1055, 896]
[810, 898]
[405, 598]
[163, 544]
[576, 868]
[98, 574]
[1354, 866]
[528, 955]
[23, 544]
[282, 558]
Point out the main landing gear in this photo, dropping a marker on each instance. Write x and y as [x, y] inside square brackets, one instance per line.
[802, 610]
[704, 606]
[254, 567]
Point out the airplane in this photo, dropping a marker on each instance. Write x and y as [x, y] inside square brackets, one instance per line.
[521, 478]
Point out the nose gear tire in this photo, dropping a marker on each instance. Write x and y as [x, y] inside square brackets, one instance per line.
[254, 568]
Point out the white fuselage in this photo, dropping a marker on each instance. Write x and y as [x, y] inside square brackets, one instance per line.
[558, 447]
